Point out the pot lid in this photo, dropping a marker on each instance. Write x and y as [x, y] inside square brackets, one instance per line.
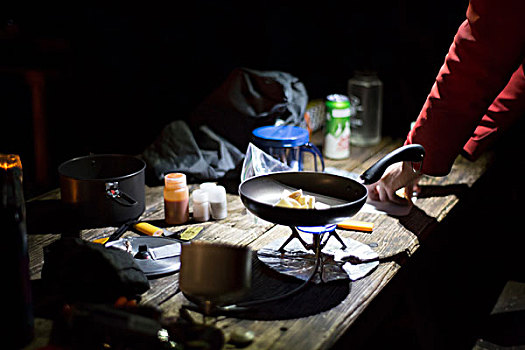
[280, 136]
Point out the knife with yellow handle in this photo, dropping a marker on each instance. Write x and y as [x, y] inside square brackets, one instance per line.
[154, 231]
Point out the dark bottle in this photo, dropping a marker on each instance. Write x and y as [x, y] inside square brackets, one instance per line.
[17, 287]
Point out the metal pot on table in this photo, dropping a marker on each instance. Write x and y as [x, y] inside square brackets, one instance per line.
[103, 190]
[214, 274]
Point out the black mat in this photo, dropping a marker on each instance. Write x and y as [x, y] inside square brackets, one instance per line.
[311, 300]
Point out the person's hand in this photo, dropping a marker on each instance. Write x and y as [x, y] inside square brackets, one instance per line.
[397, 176]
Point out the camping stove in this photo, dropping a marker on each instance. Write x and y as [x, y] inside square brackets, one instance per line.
[318, 233]
[305, 259]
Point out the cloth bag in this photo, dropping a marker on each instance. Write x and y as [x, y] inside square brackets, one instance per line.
[212, 144]
[201, 154]
[248, 99]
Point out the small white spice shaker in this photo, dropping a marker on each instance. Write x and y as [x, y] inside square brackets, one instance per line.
[201, 211]
[218, 203]
[206, 186]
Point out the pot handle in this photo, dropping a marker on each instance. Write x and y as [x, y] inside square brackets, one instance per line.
[410, 153]
[113, 191]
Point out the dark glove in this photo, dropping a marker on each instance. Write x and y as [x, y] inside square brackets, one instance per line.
[86, 271]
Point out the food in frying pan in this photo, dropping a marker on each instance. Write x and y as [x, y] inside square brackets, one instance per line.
[299, 200]
[296, 199]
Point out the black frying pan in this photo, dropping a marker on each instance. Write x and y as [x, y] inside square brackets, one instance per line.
[344, 196]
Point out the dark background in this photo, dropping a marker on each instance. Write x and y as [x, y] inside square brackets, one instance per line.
[116, 75]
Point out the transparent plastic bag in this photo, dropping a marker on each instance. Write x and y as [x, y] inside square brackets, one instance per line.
[257, 162]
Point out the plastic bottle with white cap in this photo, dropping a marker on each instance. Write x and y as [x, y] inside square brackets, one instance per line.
[176, 199]
[206, 186]
[218, 203]
[201, 207]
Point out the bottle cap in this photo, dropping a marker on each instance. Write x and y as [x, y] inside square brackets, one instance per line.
[175, 179]
[200, 195]
[207, 185]
[8, 161]
[217, 194]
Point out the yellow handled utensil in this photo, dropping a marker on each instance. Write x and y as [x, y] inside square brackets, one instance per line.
[148, 229]
[143, 227]
[186, 234]
[356, 225]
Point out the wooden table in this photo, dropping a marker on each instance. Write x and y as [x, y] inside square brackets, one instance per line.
[321, 331]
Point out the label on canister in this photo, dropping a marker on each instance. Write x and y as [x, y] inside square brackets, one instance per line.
[337, 128]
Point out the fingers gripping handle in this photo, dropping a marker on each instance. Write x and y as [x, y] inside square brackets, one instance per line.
[410, 153]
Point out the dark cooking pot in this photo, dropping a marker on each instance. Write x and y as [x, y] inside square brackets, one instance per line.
[342, 196]
[103, 190]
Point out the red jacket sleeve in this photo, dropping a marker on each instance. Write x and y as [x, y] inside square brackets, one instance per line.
[487, 51]
[501, 115]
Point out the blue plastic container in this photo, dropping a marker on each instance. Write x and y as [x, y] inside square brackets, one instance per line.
[288, 144]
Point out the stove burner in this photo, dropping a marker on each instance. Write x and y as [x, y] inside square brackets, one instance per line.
[317, 237]
[317, 244]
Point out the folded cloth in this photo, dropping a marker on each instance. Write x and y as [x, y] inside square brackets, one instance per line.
[84, 271]
[201, 154]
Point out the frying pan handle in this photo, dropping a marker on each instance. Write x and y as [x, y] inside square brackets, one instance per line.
[410, 153]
